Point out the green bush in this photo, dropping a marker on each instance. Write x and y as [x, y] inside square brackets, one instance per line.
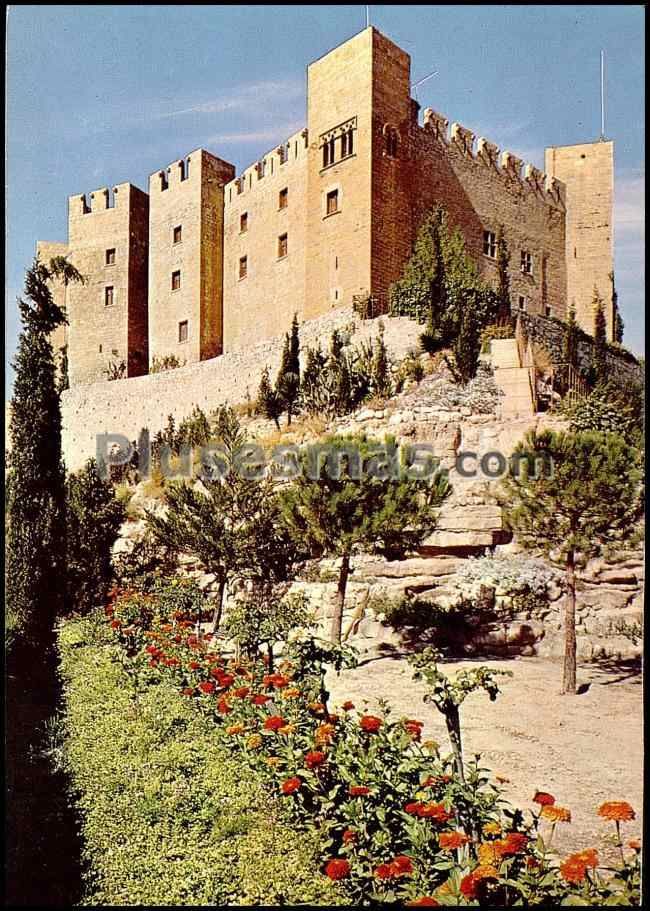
[168, 818]
[495, 331]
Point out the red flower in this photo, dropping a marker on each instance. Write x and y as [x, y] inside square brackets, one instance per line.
[384, 871]
[399, 866]
[195, 666]
[274, 723]
[314, 759]
[115, 624]
[543, 799]
[259, 699]
[349, 836]
[370, 723]
[449, 841]
[414, 728]
[188, 691]
[291, 785]
[347, 706]
[359, 790]
[206, 686]
[513, 843]
[337, 869]
[275, 680]
[222, 706]
[241, 692]
[403, 864]
[435, 811]
[153, 650]
[426, 900]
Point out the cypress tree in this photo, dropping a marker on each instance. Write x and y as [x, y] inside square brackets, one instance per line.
[268, 401]
[600, 338]
[619, 325]
[503, 279]
[36, 535]
[570, 352]
[287, 385]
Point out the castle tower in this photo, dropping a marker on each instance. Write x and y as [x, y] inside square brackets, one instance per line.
[186, 258]
[107, 242]
[588, 172]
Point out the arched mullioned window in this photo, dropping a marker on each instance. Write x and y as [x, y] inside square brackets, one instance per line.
[391, 141]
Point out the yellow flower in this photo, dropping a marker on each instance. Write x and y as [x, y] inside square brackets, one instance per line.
[431, 745]
[492, 828]
[556, 814]
[235, 729]
[272, 760]
[292, 693]
[254, 742]
[287, 729]
[488, 854]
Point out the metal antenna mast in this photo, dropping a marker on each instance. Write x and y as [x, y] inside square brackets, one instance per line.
[420, 81]
[367, 16]
[602, 95]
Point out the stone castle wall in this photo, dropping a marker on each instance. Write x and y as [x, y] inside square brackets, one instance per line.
[126, 406]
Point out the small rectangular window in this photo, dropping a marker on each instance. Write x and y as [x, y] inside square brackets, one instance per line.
[332, 202]
[522, 302]
[526, 262]
[548, 311]
[182, 331]
[489, 244]
[109, 295]
[176, 280]
[283, 246]
[283, 198]
[243, 267]
[110, 257]
[178, 234]
[243, 223]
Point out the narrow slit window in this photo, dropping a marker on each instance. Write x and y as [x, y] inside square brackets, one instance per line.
[243, 267]
[522, 302]
[176, 280]
[332, 202]
[182, 331]
[283, 246]
[164, 182]
[178, 234]
[110, 257]
[283, 198]
[109, 296]
[243, 223]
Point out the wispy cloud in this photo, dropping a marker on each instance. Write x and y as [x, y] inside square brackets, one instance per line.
[251, 97]
[272, 134]
[629, 207]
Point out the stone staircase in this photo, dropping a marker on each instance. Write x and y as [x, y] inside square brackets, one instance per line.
[514, 379]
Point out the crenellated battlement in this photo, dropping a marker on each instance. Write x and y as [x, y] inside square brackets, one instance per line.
[277, 161]
[508, 165]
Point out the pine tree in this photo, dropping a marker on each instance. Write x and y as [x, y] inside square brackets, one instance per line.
[338, 513]
[287, 385]
[312, 395]
[570, 352]
[504, 307]
[590, 499]
[36, 533]
[268, 402]
[94, 517]
[231, 523]
[600, 339]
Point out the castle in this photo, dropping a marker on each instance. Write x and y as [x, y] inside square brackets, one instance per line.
[208, 262]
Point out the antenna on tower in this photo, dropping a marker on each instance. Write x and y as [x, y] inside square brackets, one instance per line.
[367, 16]
[602, 96]
[415, 85]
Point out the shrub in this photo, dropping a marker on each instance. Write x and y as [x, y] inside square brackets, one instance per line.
[494, 331]
[411, 369]
[165, 362]
[168, 818]
[610, 409]
[514, 578]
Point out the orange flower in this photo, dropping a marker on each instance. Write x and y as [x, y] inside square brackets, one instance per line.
[543, 799]
[469, 884]
[489, 853]
[235, 729]
[616, 810]
[492, 828]
[272, 761]
[513, 843]
[254, 742]
[292, 693]
[449, 841]
[291, 785]
[635, 844]
[324, 733]
[555, 814]
[317, 707]
[287, 729]
[370, 723]
[574, 868]
[425, 901]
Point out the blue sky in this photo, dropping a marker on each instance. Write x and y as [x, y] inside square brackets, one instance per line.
[98, 95]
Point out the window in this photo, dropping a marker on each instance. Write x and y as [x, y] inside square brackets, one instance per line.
[526, 262]
[548, 311]
[347, 146]
[109, 295]
[522, 302]
[243, 267]
[182, 331]
[110, 257]
[328, 152]
[178, 234]
[176, 280]
[283, 198]
[489, 244]
[332, 202]
[283, 247]
[243, 223]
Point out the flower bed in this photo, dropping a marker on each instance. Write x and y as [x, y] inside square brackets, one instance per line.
[392, 820]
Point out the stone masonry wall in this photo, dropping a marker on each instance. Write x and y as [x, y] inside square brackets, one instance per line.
[126, 406]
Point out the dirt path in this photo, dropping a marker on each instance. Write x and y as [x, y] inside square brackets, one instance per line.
[583, 749]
